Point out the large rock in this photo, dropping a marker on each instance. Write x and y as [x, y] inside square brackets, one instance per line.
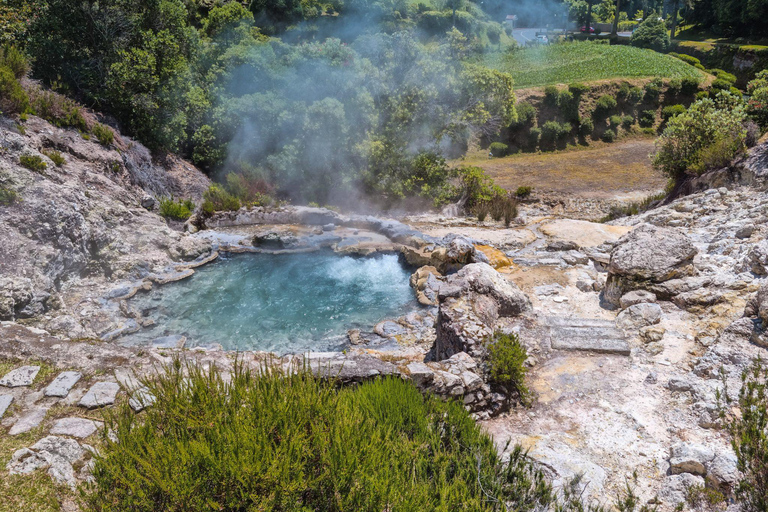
[762, 303]
[471, 302]
[57, 454]
[690, 458]
[426, 282]
[100, 395]
[62, 384]
[647, 255]
[757, 259]
[638, 316]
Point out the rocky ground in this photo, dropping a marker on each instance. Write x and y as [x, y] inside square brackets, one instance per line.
[627, 324]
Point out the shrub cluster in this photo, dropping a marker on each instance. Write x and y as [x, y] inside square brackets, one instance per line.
[33, 162]
[651, 33]
[56, 157]
[671, 111]
[706, 136]
[553, 132]
[647, 118]
[181, 209]
[609, 135]
[506, 361]
[104, 134]
[57, 109]
[8, 196]
[268, 441]
[604, 105]
[216, 199]
[499, 149]
[757, 106]
[653, 90]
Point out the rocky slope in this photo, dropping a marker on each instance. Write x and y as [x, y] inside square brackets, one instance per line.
[75, 226]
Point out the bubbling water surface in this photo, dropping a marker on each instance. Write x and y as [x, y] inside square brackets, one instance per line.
[286, 303]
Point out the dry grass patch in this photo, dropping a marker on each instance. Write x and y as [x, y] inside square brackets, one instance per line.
[598, 171]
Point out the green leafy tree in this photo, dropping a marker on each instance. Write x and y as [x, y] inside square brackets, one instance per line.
[651, 33]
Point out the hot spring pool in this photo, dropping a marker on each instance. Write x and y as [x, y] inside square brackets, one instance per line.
[282, 303]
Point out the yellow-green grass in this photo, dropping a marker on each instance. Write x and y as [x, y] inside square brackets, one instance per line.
[584, 62]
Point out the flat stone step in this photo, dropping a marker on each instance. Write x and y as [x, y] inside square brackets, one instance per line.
[28, 421]
[587, 334]
[23, 376]
[100, 395]
[62, 384]
[5, 403]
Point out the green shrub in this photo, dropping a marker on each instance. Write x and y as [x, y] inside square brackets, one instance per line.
[653, 90]
[103, 133]
[604, 105]
[609, 135]
[749, 436]
[723, 75]
[13, 99]
[651, 33]
[477, 186]
[176, 210]
[252, 190]
[506, 364]
[526, 114]
[675, 86]
[578, 89]
[523, 191]
[216, 199]
[699, 497]
[689, 86]
[13, 59]
[635, 95]
[720, 85]
[701, 95]
[57, 109]
[553, 132]
[671, 111]
[569, 106]
[56, 157]
[275, 442]
[757, 106]
[627, 122]
[499, 149]
[633, 208]
[623, 92]
[615, 120]
[647, 118]
[8, 196]
[586, 128]
[551, 95]
[706, 136]
[533, 138]
[33, 162]
[693, 61]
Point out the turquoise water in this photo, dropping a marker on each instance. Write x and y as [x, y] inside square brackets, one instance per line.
[281, 303]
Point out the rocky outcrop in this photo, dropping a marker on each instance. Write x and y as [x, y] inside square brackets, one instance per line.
[647, 255]
[82, 223]
[471, 302]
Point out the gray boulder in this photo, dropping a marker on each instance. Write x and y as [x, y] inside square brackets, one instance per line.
[58, 454]
[62, 384]
[100, 395]
[757, 259]
[690, 458]
[638, 316]
[647, 255]
[762, 303]
[636, 297]
[471, 302]
[23, 376]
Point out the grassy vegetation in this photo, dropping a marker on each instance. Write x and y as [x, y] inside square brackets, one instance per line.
[8, 196]
[33, 162]
[585, 61]
[266, 441]
[176, 209]
[56, 157]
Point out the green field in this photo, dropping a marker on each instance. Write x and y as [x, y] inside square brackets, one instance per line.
[583, 62]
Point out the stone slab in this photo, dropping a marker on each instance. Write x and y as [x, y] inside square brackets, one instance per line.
[599, 345]
[75, 427]
[174, 341]
[141, 399]
[101, 394]
[5, 403]
[62, 384]
[23, 376]
[28, 421]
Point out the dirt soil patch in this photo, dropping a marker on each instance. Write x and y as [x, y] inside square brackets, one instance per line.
[606, 171]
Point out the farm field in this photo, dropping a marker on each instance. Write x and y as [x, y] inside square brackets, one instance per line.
[584, 62]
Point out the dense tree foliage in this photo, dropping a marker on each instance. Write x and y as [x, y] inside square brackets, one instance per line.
[314, 116]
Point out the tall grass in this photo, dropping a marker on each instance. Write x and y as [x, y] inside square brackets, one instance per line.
[271, 442]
